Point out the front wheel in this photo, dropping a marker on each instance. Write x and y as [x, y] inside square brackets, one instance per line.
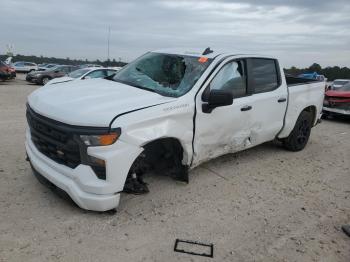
[300, 134]
[45, 80]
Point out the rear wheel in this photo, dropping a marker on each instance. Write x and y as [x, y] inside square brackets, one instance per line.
[300, 134]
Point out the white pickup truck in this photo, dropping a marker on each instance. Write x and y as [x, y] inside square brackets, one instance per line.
[166, 112]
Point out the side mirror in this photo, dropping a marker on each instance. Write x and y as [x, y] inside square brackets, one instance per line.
[217, 98]
[87, 77]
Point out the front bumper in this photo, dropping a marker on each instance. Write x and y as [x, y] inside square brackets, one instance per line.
[33, 79]
[4, 75]
[81, 183]
[336, 110]
[69, 180]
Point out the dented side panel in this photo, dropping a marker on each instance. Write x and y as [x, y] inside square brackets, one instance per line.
[301, 97]
[171, 120]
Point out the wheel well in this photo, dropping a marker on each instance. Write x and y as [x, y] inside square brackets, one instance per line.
[312, 111]
[164, 156]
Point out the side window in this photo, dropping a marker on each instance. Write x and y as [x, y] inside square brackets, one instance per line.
[264, 76]
[97, 74]
[231, 77]
[65, 70]
[110, 72]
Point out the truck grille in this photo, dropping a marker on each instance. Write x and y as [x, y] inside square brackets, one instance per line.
[53, 141]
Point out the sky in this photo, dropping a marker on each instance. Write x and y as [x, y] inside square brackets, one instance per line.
[299, 32]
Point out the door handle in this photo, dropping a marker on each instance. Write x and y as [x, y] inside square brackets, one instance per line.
[281, 100]
[246, 108]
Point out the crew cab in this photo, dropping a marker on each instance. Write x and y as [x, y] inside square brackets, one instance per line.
[166, 112]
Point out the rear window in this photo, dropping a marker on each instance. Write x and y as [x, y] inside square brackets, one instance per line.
[264, 75]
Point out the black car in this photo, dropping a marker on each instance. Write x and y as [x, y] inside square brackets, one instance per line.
[42, 77]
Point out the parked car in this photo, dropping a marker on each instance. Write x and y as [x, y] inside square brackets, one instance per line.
[25, 67]
[12, 71]
[167, 111]
[84, 73]
[44, 67]
[4, 71]
[89, 65]
[42, 77]
[314, 76]
[339, 83]
[337, 99]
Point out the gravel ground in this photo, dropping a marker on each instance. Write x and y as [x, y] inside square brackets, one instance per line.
[263, 204]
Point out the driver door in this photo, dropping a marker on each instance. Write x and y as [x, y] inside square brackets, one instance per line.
[225, 129]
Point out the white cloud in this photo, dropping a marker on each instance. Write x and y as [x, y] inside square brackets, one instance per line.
[299, 32]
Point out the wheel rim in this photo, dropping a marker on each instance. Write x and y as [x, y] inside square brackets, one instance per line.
[45, 80]
[303, 132]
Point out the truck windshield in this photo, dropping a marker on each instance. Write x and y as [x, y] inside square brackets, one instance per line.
[340, 82]
[345, 87]
[165, 74]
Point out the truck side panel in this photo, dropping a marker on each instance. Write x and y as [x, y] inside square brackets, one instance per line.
[301, 97]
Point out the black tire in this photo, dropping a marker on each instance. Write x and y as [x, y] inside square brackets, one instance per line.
[44, 80]
[300, 134]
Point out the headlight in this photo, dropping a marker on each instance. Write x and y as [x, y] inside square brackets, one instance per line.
[100, 140]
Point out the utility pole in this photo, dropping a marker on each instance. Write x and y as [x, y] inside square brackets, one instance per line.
[109, 36]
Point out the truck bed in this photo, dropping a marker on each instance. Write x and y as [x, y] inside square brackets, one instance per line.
[293, 81]
[301, 94]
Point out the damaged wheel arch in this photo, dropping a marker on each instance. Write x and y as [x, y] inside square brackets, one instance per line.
[163, 156]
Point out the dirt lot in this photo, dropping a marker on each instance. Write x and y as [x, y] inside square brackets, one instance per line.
[264, 204]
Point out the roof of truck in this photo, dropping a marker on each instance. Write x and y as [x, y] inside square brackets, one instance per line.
[199, 52]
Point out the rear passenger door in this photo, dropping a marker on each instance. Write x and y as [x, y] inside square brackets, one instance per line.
[269, 99]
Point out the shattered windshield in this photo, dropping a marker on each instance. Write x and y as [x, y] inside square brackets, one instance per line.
[165, 74]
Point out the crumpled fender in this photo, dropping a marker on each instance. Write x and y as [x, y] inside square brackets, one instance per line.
[170, 120]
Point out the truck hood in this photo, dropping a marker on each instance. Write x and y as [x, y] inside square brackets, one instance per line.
[335, 93]
[93, 102]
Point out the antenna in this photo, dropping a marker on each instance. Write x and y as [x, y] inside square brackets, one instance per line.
[109, 36]
[207, 51]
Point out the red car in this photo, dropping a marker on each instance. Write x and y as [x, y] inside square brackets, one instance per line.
[6, 71]
[337, 100]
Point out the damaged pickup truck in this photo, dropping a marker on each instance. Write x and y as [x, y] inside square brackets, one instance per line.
[166, 112]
